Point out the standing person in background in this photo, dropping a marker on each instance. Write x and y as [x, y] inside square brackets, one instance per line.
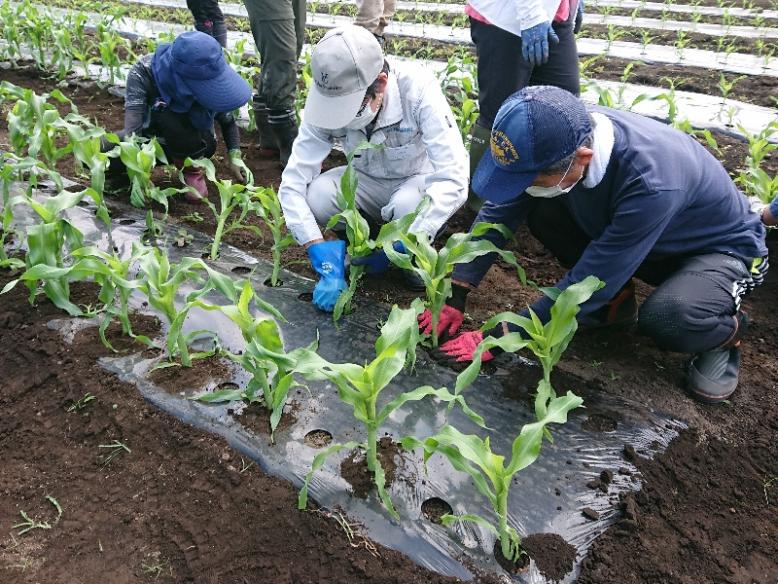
[374, 15]
[278, 27]
[520, 43]
[209, 19]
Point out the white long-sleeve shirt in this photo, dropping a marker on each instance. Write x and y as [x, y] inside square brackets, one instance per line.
[419, 136]
[516, 15]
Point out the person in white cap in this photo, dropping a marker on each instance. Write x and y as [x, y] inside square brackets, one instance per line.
[355, 97]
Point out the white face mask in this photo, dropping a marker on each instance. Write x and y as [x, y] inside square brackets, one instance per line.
[364, 117]
[556, 190]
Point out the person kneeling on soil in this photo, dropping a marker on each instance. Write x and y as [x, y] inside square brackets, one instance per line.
[617, 195]
[175, 94]
[356, 97]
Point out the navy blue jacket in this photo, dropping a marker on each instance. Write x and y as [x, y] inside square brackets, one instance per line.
[662, 195]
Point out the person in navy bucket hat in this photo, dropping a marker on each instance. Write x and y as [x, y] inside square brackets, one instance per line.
[176, 94]
[619, 196]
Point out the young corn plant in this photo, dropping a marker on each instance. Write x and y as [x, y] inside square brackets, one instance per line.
[492, 477]
[232, 197]
[48, 244]
[433, 266]
[269, 210]
[360, 386]
[33, 128]
[264, 357]
[140, 156]
[159, 280]
[546, 341]
[357, 229]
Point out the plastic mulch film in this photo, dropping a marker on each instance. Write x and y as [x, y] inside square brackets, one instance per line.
[547, 497]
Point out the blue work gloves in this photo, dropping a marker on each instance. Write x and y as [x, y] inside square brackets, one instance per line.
[579, 17]
[328, 258]
[377, 262]
[534, 43]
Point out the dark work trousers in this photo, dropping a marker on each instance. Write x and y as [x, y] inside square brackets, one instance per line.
[209, 19]
[693, 307]
[502, 70]
[278, 27]
[177, 136]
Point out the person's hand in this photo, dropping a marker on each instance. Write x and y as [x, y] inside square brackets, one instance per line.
[377, 262]
[579, 17]
[461, 349]
[328, 258]
[534, 43]
[238, 168]
[451, 317]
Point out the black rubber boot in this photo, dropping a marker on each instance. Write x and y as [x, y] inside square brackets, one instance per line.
[284, 129]
[267, 145]
[479, 143]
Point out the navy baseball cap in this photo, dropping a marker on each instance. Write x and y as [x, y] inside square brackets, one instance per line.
[535, 127]
[198, 59]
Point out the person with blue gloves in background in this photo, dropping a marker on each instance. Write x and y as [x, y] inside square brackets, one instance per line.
[520, 43]
[356, 97]
[620, 196]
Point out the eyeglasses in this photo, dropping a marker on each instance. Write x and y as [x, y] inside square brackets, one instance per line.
[365, 102]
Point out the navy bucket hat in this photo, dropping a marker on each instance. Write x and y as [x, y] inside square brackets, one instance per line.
[535, 128]
[195, 60]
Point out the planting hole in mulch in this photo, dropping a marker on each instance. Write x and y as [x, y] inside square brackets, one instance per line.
[600, 423]
[127, 221]
[306, 296]
[318, 438]
[268, 283]
[435, 508]
[553, 555]
[354, 467]
[241, 270]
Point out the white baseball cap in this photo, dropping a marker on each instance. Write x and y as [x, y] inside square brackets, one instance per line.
[344, 63]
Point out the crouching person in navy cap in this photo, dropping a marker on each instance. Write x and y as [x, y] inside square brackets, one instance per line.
[175, 94]
[617, 195]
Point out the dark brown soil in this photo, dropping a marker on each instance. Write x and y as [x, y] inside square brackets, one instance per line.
[179, 507]
[707, 512]
[552, 554]
[206, 372]
[519, 566]
[354, 467]
[257, 418]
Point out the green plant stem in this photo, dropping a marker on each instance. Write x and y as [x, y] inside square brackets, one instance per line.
[276, 266]
[217, 236]
[502, 513]
[372, 439]
[184, 351]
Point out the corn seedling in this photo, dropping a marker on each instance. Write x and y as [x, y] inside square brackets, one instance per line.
[492, 478]
[264, 358]
[269, 210]
[433, 266]
[361, 385]
[47, 243]
[232, 197]
[159, 281]
[32, 127]
[546, 341]
[140, 156]
[357, 228]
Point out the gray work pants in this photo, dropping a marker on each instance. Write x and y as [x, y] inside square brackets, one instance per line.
[278, 27]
